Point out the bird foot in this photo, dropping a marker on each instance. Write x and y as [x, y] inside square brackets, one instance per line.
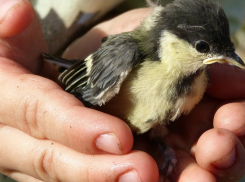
[160, 151]
[169, 160]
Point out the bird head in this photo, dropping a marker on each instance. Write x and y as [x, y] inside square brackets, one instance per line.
[193, 34]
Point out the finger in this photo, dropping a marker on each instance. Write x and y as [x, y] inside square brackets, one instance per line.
[10, 24]
[188, 170]
[114, 26]
[220, 152]
[27, 44]
[21, 37]
[231, 116]
[42, 109]
[50, 161]
[226, 82]
[20, 177]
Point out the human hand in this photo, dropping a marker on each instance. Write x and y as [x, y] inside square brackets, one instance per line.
[47, 134]
[209, 141]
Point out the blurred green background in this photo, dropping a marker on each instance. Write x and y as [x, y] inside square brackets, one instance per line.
[235, 10]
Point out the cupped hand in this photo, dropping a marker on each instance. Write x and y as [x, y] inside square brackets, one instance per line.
[209, 141]
[47, 134]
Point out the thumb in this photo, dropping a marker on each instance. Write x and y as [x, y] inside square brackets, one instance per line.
[21, 37]
[10, 24]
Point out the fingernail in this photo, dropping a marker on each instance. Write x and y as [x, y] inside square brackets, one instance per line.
[7, 6]
[129, 176]
[226, 161]
[109, 143]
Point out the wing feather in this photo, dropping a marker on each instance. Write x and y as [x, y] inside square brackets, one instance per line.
[98, 77]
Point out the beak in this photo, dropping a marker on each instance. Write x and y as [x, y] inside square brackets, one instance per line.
[233, 60]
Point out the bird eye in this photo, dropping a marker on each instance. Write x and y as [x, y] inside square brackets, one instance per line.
[228, 53]
[202, 46]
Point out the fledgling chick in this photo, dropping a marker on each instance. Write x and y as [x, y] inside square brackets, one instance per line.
[155, 73]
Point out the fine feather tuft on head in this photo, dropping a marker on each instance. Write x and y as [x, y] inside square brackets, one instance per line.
[156, 3]
[153, 3]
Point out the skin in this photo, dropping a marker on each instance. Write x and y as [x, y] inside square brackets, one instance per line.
[48, 135]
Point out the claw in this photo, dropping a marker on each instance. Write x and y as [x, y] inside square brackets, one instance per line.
[162, 153]
[168, 156]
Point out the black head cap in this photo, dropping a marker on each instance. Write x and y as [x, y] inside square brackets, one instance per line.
[194, 20]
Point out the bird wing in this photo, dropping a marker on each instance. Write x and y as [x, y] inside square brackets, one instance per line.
[98, 77]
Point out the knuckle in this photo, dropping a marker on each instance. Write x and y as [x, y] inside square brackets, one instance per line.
[45, 164]
[31, 120]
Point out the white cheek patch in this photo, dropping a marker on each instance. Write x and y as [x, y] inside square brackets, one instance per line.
[178, 52]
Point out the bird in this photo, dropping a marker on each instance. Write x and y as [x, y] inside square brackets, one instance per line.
[153, 74]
